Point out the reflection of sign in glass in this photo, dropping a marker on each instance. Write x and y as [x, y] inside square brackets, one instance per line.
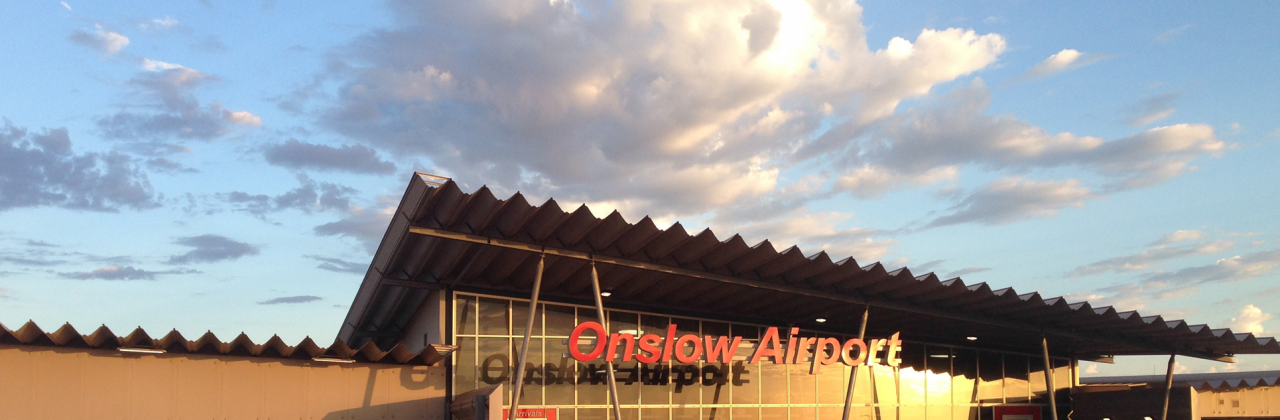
[496, 369]
[1016, 413]
[531, 413]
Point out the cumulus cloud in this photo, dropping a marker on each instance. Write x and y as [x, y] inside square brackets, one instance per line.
[1151, 109]
[211, 248]
[675, 108]
[339, 266]
[817, 231]
[1145, 260]
[1064, 60]
[291, 299]
[175, 112]
[1249, 321]
[1009, 200]
[112, 272]
[100, 39]
[40, 169]
[364, 224]
[1179, 236]
[349, 158]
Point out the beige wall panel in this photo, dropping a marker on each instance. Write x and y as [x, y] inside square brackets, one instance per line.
[59, 380]
[106, 391]
[48, 383]
[199, 387]
[151, 387]
[242, 393]
[286, 389]
[17, 390]
[326, 391]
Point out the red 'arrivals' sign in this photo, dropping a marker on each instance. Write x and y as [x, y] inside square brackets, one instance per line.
[531, 413]
[689, 348]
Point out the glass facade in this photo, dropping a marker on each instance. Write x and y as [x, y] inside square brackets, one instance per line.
[933, 382]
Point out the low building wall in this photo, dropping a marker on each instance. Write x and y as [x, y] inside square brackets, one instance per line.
[63, 383]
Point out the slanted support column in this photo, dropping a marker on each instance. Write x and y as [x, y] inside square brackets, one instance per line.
[853, 374]
[1048, 379]
[528, 330]
[1168, 388]
[613, 384]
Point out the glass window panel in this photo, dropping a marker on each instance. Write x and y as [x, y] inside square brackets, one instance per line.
[715, 413]
[937, 412]
[1061, 375]
[911, 391]
[654, 324]
[1015, 379]
[862, 392]
[745, 381]
[715, 329]
[466, 315]
[566, 414]
[655, 414]
[655, 385]
[831, 413]
[887, 412]
[624, 322]
[685, 413]
[593, 386]
[520, 316]
[493, 316]
[911, 412]
[746, 413]
[465, 365]
[964, 375]
[804, 412]
[495, 363]
[990, 378]
[684, 326]
[587, 314]
[535, 373]
[1036, 379]
[860, 413]
[833, 381]
[885, 382]
[938, 378]
[773, 413]
[594, 413]
[627, 413]
[686, 383]
[804, 387]
[969, 412]
[715, 384]
[559, 320]
[561, 377]
[629, 382]
[773, 383]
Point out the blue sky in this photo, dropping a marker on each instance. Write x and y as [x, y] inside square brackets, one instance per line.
[228, 166]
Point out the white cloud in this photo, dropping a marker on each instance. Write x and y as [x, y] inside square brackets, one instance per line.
[1249, 320]
[1179, 236]
[1145, 260]
[64, 4]
[101, 39]
[1008, 200]
[1233, 269]
[1152, 109]
[153, 65]
[1171, 34]
[241, 117]
[595, 105]
[814, 232]
[1067, 59]
[165, 22]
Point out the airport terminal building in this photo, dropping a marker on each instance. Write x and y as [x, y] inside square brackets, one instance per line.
[566, 315]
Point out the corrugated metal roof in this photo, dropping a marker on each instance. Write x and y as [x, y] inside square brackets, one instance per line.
[209, 344]
[1202, 381]
[408, 266]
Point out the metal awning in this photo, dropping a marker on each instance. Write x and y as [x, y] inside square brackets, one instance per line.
[442, 237]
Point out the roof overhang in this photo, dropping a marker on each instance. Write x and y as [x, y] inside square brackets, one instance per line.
[441, 237]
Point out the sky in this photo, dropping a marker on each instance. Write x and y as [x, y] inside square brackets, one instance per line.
[230, 166]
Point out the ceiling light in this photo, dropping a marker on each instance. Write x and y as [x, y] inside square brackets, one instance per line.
[606, 294]
[140, 350]
[821, 320]
[332, 360]
[971, 338]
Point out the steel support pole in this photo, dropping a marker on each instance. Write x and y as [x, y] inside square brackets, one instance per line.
[853, 375]
[613, 384]
[1048, 379]
[1168, 388]
[528, 331]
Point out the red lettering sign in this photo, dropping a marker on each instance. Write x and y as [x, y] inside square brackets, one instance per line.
[531, 413]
